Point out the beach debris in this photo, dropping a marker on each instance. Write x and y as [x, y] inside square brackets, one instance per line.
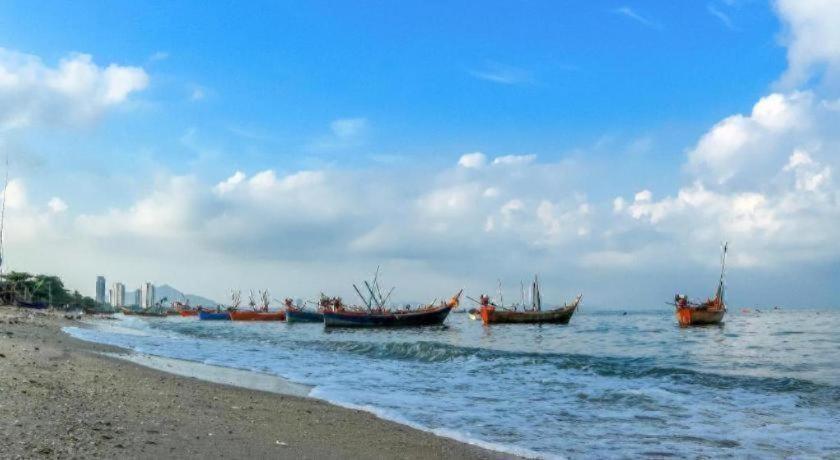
[281, 443]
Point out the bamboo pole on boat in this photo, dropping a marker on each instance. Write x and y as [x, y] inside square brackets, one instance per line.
[367, 304]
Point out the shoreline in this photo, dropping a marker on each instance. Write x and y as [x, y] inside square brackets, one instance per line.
[78, 398]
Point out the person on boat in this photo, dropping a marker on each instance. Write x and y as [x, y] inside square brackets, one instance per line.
[681, 300]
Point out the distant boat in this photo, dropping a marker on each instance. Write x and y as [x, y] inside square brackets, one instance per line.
[145, 312]
[298, 314]
[257, 315]
[213, 316]
[494, 314]
[709, 312]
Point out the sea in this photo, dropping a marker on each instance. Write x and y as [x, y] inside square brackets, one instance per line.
[611, 384]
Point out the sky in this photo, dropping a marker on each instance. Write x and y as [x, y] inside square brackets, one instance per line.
[609, 147]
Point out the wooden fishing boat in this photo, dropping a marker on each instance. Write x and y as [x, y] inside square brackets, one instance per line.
[214, 316]
[303, 316]
[474, 314]
[711, 311]
[257, 315]
[423, 317]
[299, 314]
[35, 305]
[429, 315]
[495, 314]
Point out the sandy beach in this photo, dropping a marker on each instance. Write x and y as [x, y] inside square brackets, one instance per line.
[66, 398]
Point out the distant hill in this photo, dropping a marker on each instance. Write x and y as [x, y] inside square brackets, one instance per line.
[173, 294]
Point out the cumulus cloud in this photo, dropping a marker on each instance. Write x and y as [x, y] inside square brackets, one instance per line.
[76, 92]
[812, 39]
[743, 145]
[472, 160]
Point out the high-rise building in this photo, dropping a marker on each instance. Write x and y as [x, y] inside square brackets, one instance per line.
[100, 289]
[117, 295]
[137, 297]
[147, 295]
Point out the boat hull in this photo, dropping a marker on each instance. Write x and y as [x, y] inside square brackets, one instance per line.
[208, 316]
[490, 315]
[300, 316]
[257, 316]
[31, 305]
[188, 312]
[410, 319]
[688, 316]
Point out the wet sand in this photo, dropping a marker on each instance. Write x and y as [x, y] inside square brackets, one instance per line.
[62, 398]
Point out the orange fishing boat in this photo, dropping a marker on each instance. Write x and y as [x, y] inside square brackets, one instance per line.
[496, 314]
[257, 315]
[261, 314]
[709, 312]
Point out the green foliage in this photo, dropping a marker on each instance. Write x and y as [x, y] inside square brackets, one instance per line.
[45, 288]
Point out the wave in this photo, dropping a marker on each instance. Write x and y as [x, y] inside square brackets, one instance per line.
[606, 366]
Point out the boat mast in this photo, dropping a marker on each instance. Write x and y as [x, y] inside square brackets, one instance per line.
[721, 287]
[3, 213]
[536, 301]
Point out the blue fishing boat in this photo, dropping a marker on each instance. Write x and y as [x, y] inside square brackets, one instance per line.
[303, 316]
[213, 316]
[35, 305]
[298, 314]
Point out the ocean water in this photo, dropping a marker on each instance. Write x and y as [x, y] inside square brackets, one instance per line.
[608, 385]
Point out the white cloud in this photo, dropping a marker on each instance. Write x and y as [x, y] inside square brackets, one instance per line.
[472, 160]
[230, 183]
[812, 39]
[197, 94]
[159, 56]
[503, 74]
[344, 128]
[740, 144]
[721, 16]
[57, 205]
[512, 160]
[630, 13]
[15, 195]
[75, 92]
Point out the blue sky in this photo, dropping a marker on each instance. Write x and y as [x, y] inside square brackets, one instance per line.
[591, 102]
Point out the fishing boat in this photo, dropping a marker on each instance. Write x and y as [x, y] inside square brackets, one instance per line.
[257, 315]
[205, 315]
[260, 313]
[35, 305]
[474, 314]
[375, 313]
[298, 314]
[189, 312]
[498, 314]
[144, 312]
[709, 312]
[429, 315]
